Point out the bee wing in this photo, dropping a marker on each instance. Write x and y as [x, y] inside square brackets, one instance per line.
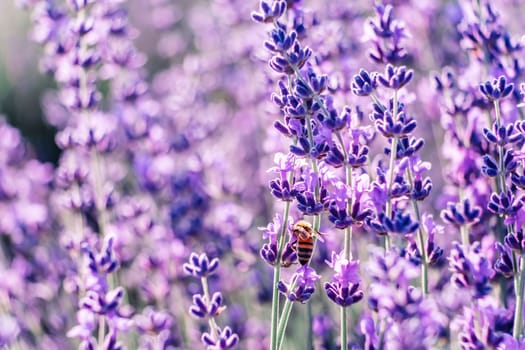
[319, 235]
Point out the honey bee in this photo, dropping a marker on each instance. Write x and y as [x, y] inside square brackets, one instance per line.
[303, 244]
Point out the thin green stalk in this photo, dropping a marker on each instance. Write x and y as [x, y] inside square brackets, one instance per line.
[314, 161]
[101, 331]
[211, 321]
[421, 240]
[275, 307]
[310, 333]
[344, 318]
[465, 240]
[517, 330]
[347, 255]
[283, 322]
[501, 149]
[377, 102]
[515, 270]
[348, 243]
[344, 337]
[348, 181]
[502, 229]
[391, 172]
[276, 277]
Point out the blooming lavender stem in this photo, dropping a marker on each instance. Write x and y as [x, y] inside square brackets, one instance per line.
[308, 123]
[288, 304]
[208, 306]
[86, 115]
[317, 218]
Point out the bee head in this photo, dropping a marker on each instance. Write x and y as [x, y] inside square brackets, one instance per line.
[303, 228]
[301, 224]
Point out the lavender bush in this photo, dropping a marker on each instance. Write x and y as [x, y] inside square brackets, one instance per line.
[279, 174]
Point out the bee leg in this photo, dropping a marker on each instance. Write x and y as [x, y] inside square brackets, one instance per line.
[293, 244]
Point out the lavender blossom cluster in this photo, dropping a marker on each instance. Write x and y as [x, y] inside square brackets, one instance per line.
[280, 174]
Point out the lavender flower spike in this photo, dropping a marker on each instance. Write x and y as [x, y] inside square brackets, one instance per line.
[227, 340]
[343, 289]
[496, 89]
[302, 284]
[200, 265]
[209, 307]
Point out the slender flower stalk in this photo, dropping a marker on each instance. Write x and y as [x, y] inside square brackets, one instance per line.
[420, 238]
[277, 278]
[208, 306]
[517, 329]
[300, 289]
[391, 164]
[297, 101]
[283, 322]
[504, 201]
[419, 188]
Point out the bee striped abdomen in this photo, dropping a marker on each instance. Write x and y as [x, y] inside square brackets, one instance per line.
[304, 244]
[304, 250]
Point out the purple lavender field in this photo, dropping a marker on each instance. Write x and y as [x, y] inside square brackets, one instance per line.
[262, 174]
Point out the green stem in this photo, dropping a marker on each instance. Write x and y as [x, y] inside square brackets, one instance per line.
[348, 243]
[464, 235]
[313, 160]
[391, 165]
[377, 102]
[501, 149]
[344, 318]
[310, 333]
[275, 307]
[101, 331]
[502, 229]
[276, 277]
[518, 312]
[211, 321]
[421, 240]
[344, 338]
[348, 240]
[283, 322]
[348, 181]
